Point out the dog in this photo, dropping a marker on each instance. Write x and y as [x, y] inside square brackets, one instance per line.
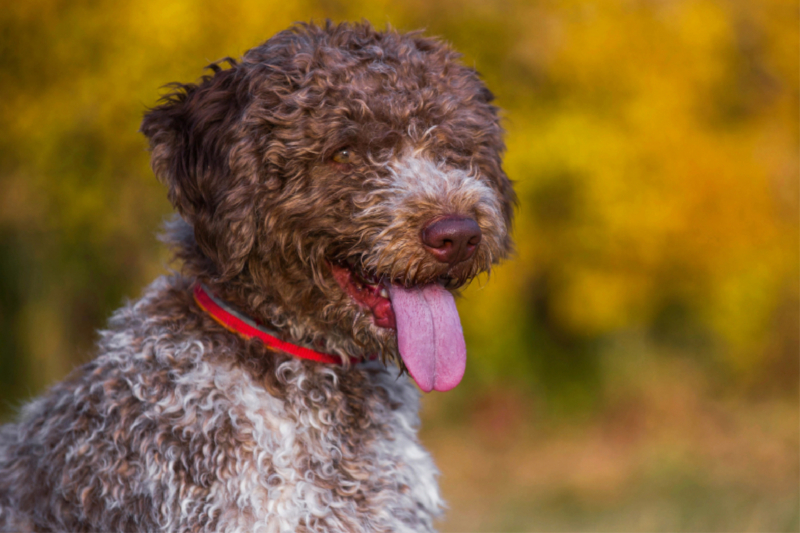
[334, 188]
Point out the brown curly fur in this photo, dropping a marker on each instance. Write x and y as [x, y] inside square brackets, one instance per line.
[245, 153]
[181, 425]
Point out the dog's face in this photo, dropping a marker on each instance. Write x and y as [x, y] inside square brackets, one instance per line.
[339, 178]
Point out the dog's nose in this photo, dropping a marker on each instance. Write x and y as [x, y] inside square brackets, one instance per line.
[451, 239]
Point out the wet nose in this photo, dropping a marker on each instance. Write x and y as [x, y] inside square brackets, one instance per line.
[451, 239]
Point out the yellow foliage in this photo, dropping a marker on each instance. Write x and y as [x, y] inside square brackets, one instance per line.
[654, 147]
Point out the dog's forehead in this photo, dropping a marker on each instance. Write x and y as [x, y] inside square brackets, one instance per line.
[358, 61]
[380, 93]
[425, 103]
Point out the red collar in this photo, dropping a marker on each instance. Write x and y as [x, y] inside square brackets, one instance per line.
[248, 328]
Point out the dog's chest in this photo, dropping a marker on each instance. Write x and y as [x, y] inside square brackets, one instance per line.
[324, 459]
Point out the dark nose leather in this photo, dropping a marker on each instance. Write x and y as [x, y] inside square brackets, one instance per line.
[451, 239]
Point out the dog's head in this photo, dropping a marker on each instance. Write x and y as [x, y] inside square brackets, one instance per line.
[340, 181]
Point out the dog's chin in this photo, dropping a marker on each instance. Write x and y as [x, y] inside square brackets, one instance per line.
[367, 317]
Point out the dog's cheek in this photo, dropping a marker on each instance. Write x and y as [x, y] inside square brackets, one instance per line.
[491, 167]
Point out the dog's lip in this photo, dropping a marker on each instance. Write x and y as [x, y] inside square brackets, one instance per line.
[373, 278]
[370, 289]
[367, 290]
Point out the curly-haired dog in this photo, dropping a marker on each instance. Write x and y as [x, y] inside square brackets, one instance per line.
[333, 187]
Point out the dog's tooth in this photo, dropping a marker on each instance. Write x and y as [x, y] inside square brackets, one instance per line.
[384, 293]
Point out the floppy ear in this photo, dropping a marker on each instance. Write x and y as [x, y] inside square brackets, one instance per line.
[201, 149]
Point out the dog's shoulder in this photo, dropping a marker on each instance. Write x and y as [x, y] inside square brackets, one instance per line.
[106, 448]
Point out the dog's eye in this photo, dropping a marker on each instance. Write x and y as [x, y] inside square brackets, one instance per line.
[343, 157]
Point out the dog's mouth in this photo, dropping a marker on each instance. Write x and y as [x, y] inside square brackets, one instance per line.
[429, 334]
[368, 290]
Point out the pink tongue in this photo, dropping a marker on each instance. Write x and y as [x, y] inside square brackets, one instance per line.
[429, 336]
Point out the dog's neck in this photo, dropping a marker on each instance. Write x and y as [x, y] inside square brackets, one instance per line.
[261, 302]
[244, 326]
[266, 308]
[264, 291]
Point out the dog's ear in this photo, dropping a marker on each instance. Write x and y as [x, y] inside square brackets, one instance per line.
[200, 148]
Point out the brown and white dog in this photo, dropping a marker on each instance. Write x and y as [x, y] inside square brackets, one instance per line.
[334, 186]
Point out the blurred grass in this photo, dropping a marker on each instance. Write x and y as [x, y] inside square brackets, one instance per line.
[635, 367]
[669, 457]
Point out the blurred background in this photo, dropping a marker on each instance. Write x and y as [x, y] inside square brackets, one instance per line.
[634, 368]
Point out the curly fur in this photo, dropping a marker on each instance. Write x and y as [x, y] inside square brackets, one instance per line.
[181, 425]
